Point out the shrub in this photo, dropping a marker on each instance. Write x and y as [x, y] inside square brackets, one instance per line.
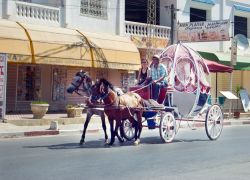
[73, 106]
[39, 102]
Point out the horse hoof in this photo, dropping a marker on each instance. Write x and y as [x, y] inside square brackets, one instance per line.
[137, 142]
[106, 141]
[110, 143]
[121, 140]
[81, 143]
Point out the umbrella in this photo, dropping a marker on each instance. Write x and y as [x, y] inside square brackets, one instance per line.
[216, 67]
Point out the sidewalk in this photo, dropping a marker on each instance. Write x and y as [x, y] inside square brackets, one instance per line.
[26, 126]
[20, 125]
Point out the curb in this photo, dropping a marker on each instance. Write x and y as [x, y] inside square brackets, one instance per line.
[43, 133]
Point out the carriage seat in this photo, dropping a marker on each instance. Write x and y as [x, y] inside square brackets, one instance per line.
[152, 104]
[164, 92]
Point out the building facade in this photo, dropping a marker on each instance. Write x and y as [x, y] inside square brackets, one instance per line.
[237, 12]
[47, 42]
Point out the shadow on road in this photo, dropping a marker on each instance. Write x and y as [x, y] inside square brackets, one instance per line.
[100, 144]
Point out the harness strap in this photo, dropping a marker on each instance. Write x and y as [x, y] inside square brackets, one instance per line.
[143, 87]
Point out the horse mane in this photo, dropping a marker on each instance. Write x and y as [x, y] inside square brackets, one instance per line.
[80, 73]
[106, 83]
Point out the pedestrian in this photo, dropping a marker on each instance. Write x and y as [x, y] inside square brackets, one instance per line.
[158, 73]
[144, 73]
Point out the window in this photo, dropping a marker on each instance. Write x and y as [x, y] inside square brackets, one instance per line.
[197, 15]
[94, 8]
[136, 10]
[29, 83]
[240, 25]
[127, 80]
[59, 84]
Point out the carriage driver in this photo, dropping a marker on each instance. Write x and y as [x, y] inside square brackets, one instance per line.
[158, 73]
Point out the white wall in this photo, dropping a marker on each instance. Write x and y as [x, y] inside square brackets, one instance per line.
[1, 8]
[70, 16]
[54, 3]
[111, 25]
[165, 12]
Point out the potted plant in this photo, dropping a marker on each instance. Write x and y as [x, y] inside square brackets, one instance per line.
[39, 109]
[237, 92]
[74, 110]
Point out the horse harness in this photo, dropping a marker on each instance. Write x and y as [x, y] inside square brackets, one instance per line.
[119, 105]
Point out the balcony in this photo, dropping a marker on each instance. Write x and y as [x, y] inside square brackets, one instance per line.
[141, 29]
[33, 13]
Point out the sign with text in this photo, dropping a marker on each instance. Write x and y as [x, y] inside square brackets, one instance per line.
[157, 43]
[203, 31]
[3, 80]
[233, 52]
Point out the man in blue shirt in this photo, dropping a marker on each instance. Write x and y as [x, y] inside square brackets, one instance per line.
[158, 75]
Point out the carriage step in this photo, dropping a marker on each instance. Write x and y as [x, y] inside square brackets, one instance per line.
[151, 123]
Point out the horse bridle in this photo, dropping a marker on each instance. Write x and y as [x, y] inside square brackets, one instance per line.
[85, 88]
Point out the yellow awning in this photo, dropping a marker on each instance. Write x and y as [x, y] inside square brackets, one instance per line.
[14, 42]
[114, 52]
[36, 44]
[58, 46]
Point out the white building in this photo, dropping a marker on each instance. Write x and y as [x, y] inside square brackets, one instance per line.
[238, 13]
[48, 41]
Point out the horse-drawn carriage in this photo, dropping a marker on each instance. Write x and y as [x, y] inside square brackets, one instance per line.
[185, 99]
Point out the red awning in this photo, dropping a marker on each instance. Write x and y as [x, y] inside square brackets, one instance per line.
[216, 67]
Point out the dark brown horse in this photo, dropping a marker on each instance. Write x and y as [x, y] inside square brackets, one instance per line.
[117, 108]
[82, 82]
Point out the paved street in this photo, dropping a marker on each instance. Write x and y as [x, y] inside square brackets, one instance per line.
[190, 156]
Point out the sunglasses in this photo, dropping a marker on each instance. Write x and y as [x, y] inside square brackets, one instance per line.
[143, 62]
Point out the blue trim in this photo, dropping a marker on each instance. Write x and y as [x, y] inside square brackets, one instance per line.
[242, 8]
[205, 1]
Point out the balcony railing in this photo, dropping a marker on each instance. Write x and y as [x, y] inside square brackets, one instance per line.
[141, 29]
[32, 11]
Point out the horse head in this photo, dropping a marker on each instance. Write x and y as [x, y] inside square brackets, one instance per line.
[81, 78]
[103, 90]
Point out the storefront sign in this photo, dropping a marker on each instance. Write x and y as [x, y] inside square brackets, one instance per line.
[3, 77]
[116, 65]
[157, 43]
[17, 58]
[63, 62]
[203, 31]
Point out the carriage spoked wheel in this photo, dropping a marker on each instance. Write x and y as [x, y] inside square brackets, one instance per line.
[167, 127]
[214, 122]
[127, 130]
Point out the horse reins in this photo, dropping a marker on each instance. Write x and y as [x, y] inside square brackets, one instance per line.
[143, 87]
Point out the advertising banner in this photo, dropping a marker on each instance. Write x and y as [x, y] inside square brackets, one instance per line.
[157, 43]
[203, 31]
[3, 77]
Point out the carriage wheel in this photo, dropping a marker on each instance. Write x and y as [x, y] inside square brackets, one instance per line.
[127, 130]
[214, 122]
[167, 127]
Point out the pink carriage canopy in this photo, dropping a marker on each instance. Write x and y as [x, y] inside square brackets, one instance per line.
[187, 70]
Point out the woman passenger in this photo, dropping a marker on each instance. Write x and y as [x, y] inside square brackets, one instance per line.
[144, 73]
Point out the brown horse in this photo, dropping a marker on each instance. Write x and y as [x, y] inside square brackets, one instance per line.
[127, 106]
[82, 82]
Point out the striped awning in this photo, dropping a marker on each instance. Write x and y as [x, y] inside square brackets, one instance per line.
[242, 8]
[211, 2]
